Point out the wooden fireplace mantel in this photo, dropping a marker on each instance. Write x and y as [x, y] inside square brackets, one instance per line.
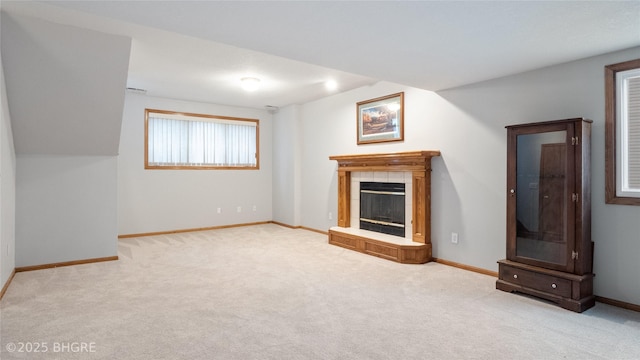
[419, 164]
[402, 161]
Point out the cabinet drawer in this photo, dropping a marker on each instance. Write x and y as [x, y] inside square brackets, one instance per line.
[537, 281]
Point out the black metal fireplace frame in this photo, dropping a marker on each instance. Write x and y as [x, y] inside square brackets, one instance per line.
[382, 207]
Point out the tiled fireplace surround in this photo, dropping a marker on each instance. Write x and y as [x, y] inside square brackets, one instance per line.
[403, 177]
[411, 168]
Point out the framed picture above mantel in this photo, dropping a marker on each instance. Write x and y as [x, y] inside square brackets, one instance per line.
[381, 119]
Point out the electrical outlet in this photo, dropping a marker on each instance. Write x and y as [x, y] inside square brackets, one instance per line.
[330, 216]
[219, 210]
[454, 238]
[239, 208]
[255, 208]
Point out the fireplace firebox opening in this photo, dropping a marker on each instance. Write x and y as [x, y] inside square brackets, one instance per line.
[382, 207]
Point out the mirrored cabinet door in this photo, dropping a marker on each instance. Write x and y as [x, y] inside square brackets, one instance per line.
[543, 190]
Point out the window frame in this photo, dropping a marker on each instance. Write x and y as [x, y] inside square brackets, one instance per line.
[204, 116]
[612, 123]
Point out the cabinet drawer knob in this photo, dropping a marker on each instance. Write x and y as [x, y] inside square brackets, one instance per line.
[515, 276]
[554, 286]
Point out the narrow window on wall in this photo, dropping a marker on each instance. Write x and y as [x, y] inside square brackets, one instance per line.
[622, 127]
[176, 140]
[629, 132]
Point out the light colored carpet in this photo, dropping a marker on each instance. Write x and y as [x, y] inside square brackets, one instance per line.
[270, 292]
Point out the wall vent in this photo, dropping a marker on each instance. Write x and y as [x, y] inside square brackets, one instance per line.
[137, 91]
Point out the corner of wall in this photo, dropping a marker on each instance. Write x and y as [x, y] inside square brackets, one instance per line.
[7, 190]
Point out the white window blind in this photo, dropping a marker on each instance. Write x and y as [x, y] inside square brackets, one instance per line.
[185, 141]
[634, 133]
[629, 133]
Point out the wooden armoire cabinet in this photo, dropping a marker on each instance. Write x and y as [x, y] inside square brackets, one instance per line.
[549, 248]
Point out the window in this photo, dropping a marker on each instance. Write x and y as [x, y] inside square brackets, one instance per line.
[622, 133]
[193, 141]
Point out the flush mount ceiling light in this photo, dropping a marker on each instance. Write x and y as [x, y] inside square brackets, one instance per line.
[331, 85]
[250, 83]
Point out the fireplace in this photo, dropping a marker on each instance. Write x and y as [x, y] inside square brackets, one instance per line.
[414, 168]
[382, 207]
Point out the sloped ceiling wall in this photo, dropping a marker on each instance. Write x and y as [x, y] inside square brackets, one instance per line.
[65, 87]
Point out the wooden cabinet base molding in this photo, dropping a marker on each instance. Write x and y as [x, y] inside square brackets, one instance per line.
[407, 253]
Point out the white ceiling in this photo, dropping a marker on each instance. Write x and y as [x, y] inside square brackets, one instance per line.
[198, 50]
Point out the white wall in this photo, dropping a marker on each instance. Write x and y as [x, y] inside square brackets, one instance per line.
[7, 188]
[287, 149]
[65, 208]
[166, 200]
[65, 88]
[464, 181]
[469, 179]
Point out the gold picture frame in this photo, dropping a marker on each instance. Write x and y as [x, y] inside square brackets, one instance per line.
[380, 119]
